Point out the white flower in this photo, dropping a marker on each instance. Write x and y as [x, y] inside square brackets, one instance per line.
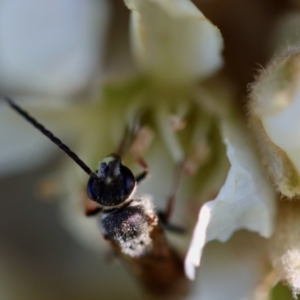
[274, 109]
[179, 46]
[50, 48]
[246, 200]
[177, 50]
[49, 53]
[275, 106]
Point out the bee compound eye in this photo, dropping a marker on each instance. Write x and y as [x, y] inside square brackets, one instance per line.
[90, 190]
[128, 181]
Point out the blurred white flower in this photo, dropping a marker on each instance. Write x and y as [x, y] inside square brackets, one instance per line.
[49, 53]
[179, 46]
[274, 110]
[51, 48]
[177, 50]
[246, 200]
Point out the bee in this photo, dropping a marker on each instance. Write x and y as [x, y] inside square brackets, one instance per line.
[129, 223]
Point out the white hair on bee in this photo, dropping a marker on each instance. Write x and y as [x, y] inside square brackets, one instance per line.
[104, 163]
[129, 227]
[148, 206]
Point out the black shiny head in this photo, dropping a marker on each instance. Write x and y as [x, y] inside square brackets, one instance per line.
[110, 185]
[113, 183]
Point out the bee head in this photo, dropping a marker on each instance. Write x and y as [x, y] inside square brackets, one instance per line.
[112, 183]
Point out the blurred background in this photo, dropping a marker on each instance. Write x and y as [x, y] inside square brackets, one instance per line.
[62, 50]
[51, 51]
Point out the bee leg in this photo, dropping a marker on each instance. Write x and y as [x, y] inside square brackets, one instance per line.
[144, 174]
[94, 212]
[165, 216]
[131, 137]
[175, 228]
[92, 209]
[128, 139]
[169, 226]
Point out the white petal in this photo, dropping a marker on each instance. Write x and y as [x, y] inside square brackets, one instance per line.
[173, 41]
[246, 201]
[50, 46]
[230, 270]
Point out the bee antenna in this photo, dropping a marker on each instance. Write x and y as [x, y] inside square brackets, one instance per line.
[49, 134]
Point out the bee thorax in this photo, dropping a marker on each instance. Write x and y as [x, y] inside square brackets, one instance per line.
[128, 227]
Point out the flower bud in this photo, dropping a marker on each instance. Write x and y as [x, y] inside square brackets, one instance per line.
[274, 111]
